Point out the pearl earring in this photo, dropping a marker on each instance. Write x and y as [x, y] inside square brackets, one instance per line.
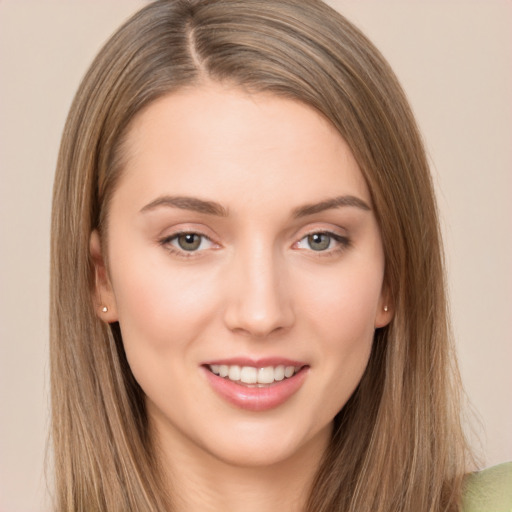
[386, 309]
[104, 309]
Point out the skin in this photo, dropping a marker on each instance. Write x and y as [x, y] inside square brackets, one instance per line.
[254, 288]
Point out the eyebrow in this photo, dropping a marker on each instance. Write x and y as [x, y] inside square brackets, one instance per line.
[187, 203]
[213, 208]
[328, 204]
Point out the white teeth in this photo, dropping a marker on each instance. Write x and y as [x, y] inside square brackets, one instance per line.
[279, 372]
[234, 372]
[248, 375]
[289, 371]
[266, 375]
[252, 375]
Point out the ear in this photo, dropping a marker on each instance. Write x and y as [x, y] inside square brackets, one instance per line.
[103, 295]
[385, 308]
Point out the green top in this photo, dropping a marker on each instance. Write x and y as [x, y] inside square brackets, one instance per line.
[489, 490]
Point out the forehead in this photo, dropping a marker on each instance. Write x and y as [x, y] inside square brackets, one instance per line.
[223, 141]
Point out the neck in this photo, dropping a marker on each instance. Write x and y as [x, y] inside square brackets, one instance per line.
[201, 482]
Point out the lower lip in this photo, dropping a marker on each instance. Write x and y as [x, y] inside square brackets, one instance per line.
[256, 398]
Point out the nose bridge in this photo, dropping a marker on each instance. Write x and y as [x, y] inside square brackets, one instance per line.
[259, 301]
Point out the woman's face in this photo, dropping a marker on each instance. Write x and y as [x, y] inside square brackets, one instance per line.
[242, 241]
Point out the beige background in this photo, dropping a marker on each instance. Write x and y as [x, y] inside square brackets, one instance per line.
[454, 59]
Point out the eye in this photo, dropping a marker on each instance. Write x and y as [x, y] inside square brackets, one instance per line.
[318, 241]
[187, 242]
[322, 241]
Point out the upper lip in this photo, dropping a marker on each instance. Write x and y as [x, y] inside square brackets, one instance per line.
[256, 363]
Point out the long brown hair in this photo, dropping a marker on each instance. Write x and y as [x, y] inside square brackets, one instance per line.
[398, 443]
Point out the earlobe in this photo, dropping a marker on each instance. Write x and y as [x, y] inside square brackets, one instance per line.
[103, 294]
[385, 310]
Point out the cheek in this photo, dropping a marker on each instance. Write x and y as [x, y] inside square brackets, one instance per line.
[162, 311]
[345, 301]
[343, 313]
[160, 307]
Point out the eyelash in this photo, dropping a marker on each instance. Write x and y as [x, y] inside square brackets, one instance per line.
[167, 243]
[342, 242]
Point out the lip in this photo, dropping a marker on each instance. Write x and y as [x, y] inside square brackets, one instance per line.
[256, 363]
[256, 398]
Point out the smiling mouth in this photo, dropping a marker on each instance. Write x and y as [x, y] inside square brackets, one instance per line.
[251, 376]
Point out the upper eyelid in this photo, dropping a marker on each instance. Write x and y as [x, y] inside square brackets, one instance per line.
[322, 227]
[168, 239]
[321, 231]
[336, 236]
[184, 232]
[333, 231]
[187, 230]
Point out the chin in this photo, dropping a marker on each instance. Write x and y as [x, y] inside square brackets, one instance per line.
[256, 446]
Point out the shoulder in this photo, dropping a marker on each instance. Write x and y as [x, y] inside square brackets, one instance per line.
[489, 490]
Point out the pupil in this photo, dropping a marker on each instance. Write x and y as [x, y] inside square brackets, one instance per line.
[189, 242]
[319, 242]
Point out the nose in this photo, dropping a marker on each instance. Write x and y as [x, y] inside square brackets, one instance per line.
[259, 301]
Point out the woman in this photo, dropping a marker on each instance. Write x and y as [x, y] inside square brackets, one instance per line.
[248, 303]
